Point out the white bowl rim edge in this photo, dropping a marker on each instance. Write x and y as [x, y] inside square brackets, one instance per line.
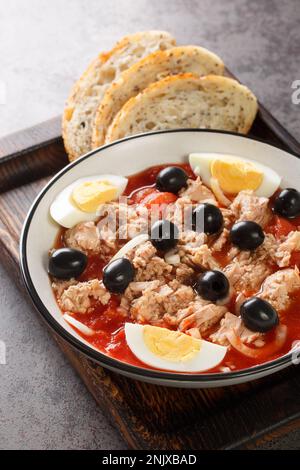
[219, 378]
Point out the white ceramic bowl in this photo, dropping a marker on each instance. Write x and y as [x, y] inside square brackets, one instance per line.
[126, 157]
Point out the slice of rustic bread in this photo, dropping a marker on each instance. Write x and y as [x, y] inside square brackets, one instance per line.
[88, 91]
[154, 67]
[187, 100]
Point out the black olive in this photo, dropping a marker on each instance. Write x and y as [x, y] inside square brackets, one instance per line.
[66, 263]
[258, 315]
[171, 179]
[117, 275]
[212, 285]
[247, 235]
[287, 203]
[164, 235]
[207, 218]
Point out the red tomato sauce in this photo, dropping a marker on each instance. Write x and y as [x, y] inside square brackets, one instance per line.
[109, 321]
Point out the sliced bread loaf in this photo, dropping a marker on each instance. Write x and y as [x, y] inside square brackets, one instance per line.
[189, 101]
[154, 67]
[88, 91]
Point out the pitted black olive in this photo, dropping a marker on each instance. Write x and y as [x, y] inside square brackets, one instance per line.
[66, 263]
[171, 179]
[247, 235]
[164, 235]
[287, 203]
[258, 315]
[117, 275]
[207, 218]
[212, 285]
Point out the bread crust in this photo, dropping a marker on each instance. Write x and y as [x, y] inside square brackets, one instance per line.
[90, 82]
[226, 98]
[150, 69]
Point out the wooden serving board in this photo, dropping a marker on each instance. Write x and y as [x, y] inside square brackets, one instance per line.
[253, 415]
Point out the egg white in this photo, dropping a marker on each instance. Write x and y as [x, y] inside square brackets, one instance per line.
[209, 356]
[65, 212]
[201, 163]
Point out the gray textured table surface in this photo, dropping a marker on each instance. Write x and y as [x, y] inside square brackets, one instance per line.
[44, 46]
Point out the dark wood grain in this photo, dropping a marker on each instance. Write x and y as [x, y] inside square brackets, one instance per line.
[31, 154]
[254, 415]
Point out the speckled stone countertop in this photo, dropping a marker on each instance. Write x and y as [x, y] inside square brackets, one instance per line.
[44, 46]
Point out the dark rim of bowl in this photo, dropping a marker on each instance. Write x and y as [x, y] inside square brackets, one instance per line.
[102, 358]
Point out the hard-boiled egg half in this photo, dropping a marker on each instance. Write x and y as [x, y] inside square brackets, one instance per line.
[235, 174]
[172, 350]
[81, 200]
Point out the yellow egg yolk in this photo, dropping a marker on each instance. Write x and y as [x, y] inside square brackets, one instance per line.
[90, 194]
[236, 175]
[170, 345]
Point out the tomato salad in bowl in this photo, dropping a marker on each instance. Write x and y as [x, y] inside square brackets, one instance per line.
[182, 267]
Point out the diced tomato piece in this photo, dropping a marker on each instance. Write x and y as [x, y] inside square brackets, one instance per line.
[158, 203]
[150, 196]
[153, 199]
[159, 198]
[138, 196]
